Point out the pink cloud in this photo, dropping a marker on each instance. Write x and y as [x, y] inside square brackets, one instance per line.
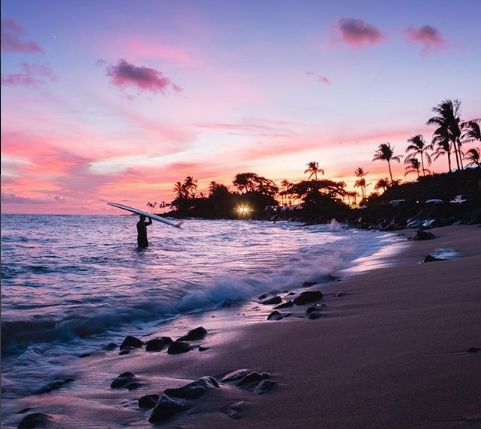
[13, 40]
[124, 74]
[429, 37]
[358, 33]
[30, 75]
[141, 48]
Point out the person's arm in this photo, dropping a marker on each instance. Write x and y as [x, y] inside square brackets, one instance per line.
[149, 222]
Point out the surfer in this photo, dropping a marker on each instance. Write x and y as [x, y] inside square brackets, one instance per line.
[142, 232]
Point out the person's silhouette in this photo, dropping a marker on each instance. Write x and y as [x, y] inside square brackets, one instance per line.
[142, 232]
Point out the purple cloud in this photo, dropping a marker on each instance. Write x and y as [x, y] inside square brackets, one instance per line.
[17, 199]
[30, 75]
[124, 74]
[429, 37]
[357, 32]
[13, 40]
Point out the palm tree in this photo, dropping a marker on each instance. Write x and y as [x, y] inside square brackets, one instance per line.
[474, 157]
[442, 140]
[472, 131]
[449, 124]
[190, 186]
[285, 190]
[361, 183]
[382, 183]
[386, 153]
[412, 166]
[179, 190]
[419, 147]
[313, 169]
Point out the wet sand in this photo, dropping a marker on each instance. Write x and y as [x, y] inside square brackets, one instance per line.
[390, 353]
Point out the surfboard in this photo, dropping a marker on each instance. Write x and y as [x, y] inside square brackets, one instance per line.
[146, 214]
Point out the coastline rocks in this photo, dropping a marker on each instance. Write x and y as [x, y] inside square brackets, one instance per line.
[284, 305]
[157, 344]
[431, 258]
[193, 390]
[264, 386]
[130, 341]
[235, 375]
[273, 300]
[275, 315]
[110, 346]
[35, 420]
[314, 315]
[148, 401]
[315, 307]
[423, 235]
[178, 347]
[194, 335]
[165, 409]
[251, 380]
[126, 380]
[308, 297]
[54, 386]
[234, 410]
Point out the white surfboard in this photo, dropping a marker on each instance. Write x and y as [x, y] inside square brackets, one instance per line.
[146, 214]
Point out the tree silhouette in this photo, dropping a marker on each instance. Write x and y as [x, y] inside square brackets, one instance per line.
[313, 169]
[473, 156]
[419, 147]
[386, 153]
[361, 183]
[382, 184]
[412, 166]
[449, 125]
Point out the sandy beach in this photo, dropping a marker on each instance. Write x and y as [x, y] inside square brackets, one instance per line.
[391, 352]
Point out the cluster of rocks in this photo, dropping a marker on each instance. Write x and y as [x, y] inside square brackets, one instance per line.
[303, 298]
[176, 400]
[181, 345]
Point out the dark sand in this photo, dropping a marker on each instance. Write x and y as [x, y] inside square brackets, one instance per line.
[390, 353]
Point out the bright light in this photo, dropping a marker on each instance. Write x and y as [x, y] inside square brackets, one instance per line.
[243, 210]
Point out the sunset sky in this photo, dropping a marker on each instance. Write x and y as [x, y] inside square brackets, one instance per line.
[113, 100]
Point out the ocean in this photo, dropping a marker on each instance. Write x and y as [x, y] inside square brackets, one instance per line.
[71, 284]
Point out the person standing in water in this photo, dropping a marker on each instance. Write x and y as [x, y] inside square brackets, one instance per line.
[142, 232]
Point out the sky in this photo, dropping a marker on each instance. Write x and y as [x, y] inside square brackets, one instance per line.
[115, 100]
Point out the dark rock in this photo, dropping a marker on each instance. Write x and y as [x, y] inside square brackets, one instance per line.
[236, 375]
[165, 409]
[110, 346]
[340, 294]
[148, 401]
[84, 355]
[203, 349]
[307, 297]
[193, 390]
[308, 284]
[24, 410]
[312, 308]
[273, 300]
[157, 344]
[234, 410]
[431, 258]
[275, 315]
[264, 386]
[178, 347]
[291, 293]
[126, 380]
[252, 379]
[35, 420]
[423, 235]
[194, 335]
[263, 296]
[473, 350]
[314, 315]
[131, 342]
[284, 305]
[54, 386]
[287, 314]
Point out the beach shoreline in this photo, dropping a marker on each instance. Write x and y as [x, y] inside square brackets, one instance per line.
[389, 352]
